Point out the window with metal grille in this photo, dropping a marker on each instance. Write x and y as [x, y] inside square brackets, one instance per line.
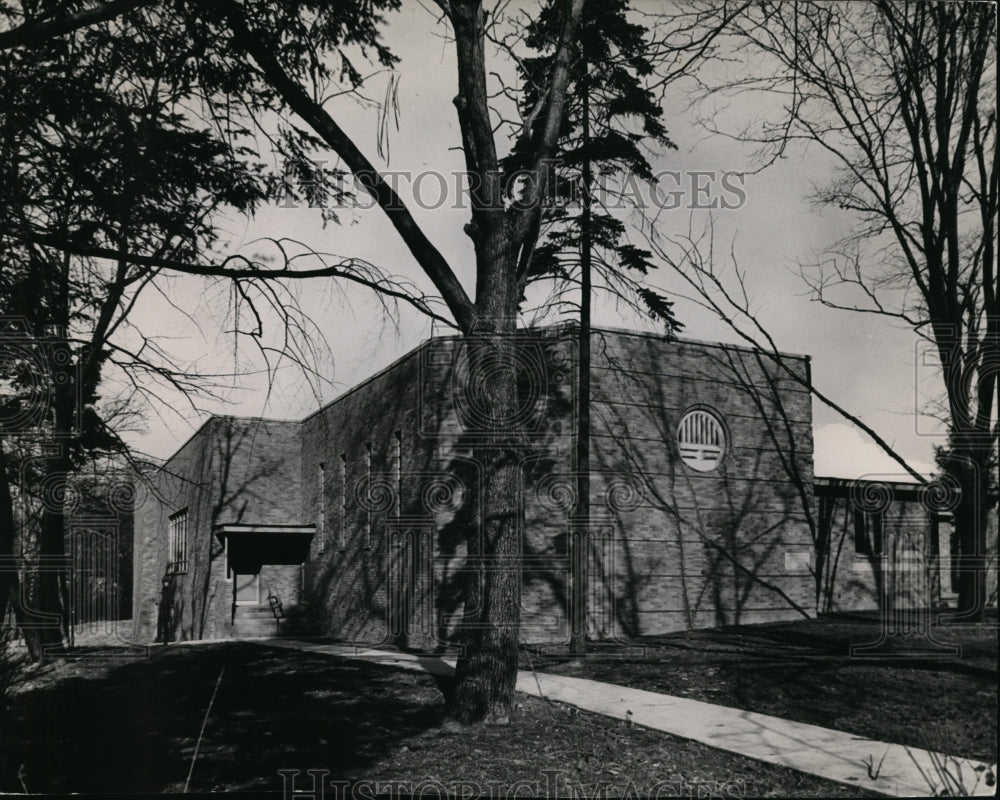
[867, 532]
[701, 440]
[177, 542]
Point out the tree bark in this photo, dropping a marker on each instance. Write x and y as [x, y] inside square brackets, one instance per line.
[10, 585]
[50, 631]
[969, 466]
[486, 672]
[581, 541]
[487, 667]
[8, 573]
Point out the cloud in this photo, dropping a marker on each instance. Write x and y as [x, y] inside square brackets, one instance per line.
[842, 451]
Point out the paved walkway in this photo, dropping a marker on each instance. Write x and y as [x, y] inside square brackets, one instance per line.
[838, 756]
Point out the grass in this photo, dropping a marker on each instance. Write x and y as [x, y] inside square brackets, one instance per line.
[104, 722]
[110, 724]
[804, 671]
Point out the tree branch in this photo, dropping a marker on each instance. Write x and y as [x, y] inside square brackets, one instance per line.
[37, 31]
[426, 254]
[348, 269]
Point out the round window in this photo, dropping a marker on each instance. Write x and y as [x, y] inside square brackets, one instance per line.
[701, 439]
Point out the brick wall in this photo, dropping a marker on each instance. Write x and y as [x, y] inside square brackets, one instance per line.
[230, 471]
[672, 548]
[387, 474]
[913, 569]
[364, 440]
[675, 548]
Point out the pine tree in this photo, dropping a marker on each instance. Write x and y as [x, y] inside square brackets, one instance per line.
[612, 119]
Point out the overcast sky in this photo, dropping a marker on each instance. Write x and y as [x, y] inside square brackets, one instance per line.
[864, 363]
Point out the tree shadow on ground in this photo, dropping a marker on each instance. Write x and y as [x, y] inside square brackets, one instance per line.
[828, 643]
[134, 728]
[804, 671]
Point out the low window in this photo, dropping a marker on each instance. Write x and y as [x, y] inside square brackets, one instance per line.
[177, 544]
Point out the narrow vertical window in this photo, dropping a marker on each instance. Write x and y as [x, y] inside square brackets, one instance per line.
[398, 469]
[342, 532]
[368, 485]
[867, 533]
[861, 545]
[321, 502]
[875, 525]
[955, 551]
[177, 542]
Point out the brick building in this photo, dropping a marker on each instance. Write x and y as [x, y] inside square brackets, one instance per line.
[892, 545]
[354, 521]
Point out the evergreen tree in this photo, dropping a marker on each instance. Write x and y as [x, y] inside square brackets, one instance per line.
[612, 120]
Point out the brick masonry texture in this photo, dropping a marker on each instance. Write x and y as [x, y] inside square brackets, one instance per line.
[913, 569]
[230, 471]
[387, 474]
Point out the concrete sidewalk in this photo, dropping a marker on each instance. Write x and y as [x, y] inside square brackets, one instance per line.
[835, 755]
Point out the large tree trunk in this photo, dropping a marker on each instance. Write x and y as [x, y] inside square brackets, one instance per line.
[486, 673]
[969, 466]
[580, 543]
[971, 460]
[487, 666]
[10, 585]
[48, 630]
[8, 573]
[52, 580]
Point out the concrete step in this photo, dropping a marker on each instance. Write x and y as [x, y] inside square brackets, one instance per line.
[261, 621]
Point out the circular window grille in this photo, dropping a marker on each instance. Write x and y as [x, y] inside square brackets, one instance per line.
[701, 440]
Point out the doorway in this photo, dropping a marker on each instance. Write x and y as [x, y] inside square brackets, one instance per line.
[247, 589]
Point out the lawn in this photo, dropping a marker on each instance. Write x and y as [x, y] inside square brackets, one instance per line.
[111, 724]
[804, 671]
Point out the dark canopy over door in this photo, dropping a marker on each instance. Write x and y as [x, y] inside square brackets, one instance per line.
[251, 546]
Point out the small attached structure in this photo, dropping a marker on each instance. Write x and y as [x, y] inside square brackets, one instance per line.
[890, 545]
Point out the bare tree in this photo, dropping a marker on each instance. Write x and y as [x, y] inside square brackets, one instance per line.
[278, 56]
[902, 98]
[93, 153]
[503, 235]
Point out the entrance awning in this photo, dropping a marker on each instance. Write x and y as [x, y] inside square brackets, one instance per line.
[250, 546]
